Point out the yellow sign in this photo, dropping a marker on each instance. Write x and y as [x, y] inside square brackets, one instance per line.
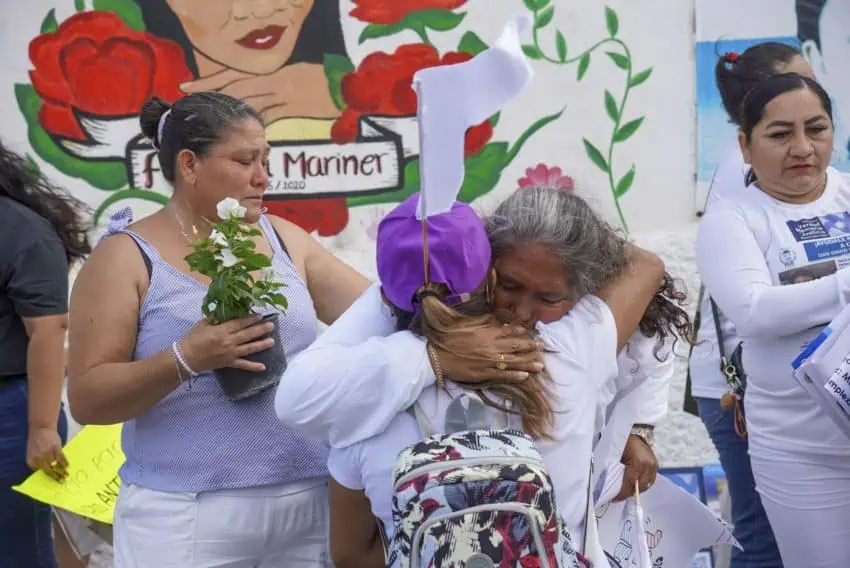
[91, 488]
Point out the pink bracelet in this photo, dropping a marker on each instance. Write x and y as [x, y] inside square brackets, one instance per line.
[175, 347]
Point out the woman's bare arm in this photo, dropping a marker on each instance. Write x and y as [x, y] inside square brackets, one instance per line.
[104, 385]
[333, 284]
[355, 538]
[630, 293]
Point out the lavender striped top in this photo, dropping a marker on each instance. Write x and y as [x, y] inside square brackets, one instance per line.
[195, 439]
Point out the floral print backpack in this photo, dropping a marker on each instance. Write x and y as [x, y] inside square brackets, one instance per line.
[475, 497]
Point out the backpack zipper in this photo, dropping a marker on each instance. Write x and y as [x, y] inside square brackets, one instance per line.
[428, 468]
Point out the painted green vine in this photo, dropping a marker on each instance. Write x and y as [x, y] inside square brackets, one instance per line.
[544, 12]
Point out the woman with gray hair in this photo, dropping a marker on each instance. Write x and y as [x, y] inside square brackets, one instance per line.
[550, 250]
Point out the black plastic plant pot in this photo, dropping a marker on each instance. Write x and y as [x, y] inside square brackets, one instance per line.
[239, 385]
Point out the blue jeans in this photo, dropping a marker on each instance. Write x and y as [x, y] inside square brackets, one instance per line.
[752, 528]
[26, 540]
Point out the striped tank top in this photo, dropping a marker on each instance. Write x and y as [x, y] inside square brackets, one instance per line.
[196, 439]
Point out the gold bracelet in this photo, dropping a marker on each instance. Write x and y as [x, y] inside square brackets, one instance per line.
[435, 364]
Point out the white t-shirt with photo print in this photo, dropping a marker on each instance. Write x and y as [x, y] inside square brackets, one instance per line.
[779, 272]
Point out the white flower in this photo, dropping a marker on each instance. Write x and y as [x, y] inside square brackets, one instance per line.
[227, 257]
[269, 274]
[212, 306]
[218, 238]
[229, 208]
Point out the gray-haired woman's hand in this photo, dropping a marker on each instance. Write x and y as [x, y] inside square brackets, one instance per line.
[210, 346]
[497, 352]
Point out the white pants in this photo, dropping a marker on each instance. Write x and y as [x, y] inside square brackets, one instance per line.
[808, 505]
[263, 527]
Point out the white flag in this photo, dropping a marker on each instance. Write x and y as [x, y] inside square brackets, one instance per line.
[452, 98]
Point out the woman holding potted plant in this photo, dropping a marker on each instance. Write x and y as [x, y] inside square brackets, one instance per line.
[211, 476]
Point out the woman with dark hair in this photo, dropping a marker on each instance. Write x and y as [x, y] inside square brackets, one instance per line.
[736, 74]
[43, 234]
[546, 247]
[792, 214]
[208, 480]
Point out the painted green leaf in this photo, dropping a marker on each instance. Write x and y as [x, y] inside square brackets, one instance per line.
[561, 45]
[532, 52]
[79, 5]
[543, 17]
[472, 44]
[620, 61]
[49, 24]
[127, 10]
[523, 138]
[33, 165]
[627, 130]
[375, 31]
[625, 183]
[439, 20]
[494, 120]
[612, 22]
[640, 78]
[124, 194]
[583, 65]
[483, 171]
[611, 106]
[595, 155]
[535, 5]
[100, 174]
[336, 67]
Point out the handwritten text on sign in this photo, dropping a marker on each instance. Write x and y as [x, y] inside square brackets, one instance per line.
[91, 488]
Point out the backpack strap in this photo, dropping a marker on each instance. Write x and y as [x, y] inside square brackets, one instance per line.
[459, 418]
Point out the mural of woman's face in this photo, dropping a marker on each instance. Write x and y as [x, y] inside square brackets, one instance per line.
[791, 146]
[253, 36]
[531, 284]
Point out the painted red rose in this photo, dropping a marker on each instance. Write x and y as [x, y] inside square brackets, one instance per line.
[328, 216]
[96, 64]
[391, 11]
[382, 85]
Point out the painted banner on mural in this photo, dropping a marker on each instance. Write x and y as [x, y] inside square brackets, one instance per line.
[91, 488]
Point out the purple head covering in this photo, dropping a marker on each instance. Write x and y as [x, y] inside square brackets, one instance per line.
[458, 252]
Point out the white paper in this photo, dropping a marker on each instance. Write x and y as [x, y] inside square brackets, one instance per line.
[451, 98]
[823, 370]
[674, 526]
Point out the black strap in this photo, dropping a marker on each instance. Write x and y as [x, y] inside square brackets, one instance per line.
[282, 244]
[721, 348]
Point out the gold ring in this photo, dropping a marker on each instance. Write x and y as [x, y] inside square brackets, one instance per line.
[501, 365]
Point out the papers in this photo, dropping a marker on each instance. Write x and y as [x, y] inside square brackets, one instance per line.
[667, 524]
[823, 370]
[91, 488]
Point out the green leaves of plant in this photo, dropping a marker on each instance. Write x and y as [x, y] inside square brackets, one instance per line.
[470, 43]
[595, 155]
[561, 46]
[620, 61]
[79, 5]
[612, 22]
[625, 183]
[49, 24]
[583, 64]
[611, 106]
[127, 10]
[627, 130]
[543, 17]
[336, 67]
[532, 52]
[535, 5]
[418, 21]
[640, 78]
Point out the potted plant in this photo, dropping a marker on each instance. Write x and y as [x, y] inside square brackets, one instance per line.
[242, 283]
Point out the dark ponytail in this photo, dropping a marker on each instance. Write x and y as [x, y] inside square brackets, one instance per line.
[24, 183]
[737, 74]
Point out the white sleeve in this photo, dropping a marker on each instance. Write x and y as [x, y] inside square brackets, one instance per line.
[581, 355]
[351, 382]
[653, 383]
[344, 467]
[734, 271]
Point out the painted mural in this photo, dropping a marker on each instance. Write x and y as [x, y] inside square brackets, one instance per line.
[818, 28]
[343, 131]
